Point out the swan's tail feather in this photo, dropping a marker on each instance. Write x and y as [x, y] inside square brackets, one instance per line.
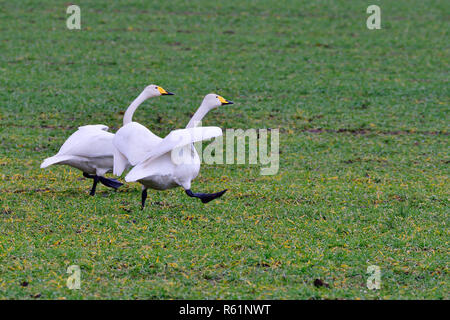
[54, 160]
[120, 163]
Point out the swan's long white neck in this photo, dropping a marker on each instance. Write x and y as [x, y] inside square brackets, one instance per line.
[128, 116]
[198, 116]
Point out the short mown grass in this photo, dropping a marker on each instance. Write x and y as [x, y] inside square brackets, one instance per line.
[363, 179]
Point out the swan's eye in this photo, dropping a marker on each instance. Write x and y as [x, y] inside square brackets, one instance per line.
[156, 88]
[217, 97]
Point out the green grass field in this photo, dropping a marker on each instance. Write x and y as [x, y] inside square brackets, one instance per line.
[363, 180]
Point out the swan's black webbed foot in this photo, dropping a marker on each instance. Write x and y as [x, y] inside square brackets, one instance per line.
[112, 183]
[205, 197]
[144, 197]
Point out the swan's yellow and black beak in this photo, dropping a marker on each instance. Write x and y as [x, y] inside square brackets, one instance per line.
[164, 92]
[224, 101]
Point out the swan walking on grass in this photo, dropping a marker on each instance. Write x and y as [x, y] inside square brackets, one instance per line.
[90, 148]
[153, 158]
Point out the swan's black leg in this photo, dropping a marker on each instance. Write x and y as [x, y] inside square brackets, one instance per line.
[205, 197]
[96, 179]
[144, 197]
[94, 186]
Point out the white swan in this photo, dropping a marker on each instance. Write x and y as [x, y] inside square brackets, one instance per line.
[90, 148]
[153, 158]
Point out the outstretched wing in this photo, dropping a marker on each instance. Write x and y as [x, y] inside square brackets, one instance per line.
[181, 137]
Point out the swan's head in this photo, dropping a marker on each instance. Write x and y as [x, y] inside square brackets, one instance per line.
[213, 100]
[155, 91]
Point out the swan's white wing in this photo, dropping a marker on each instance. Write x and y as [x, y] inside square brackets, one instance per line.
[134, 141]
[182, 137]
[162, 166]
[89, 142]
